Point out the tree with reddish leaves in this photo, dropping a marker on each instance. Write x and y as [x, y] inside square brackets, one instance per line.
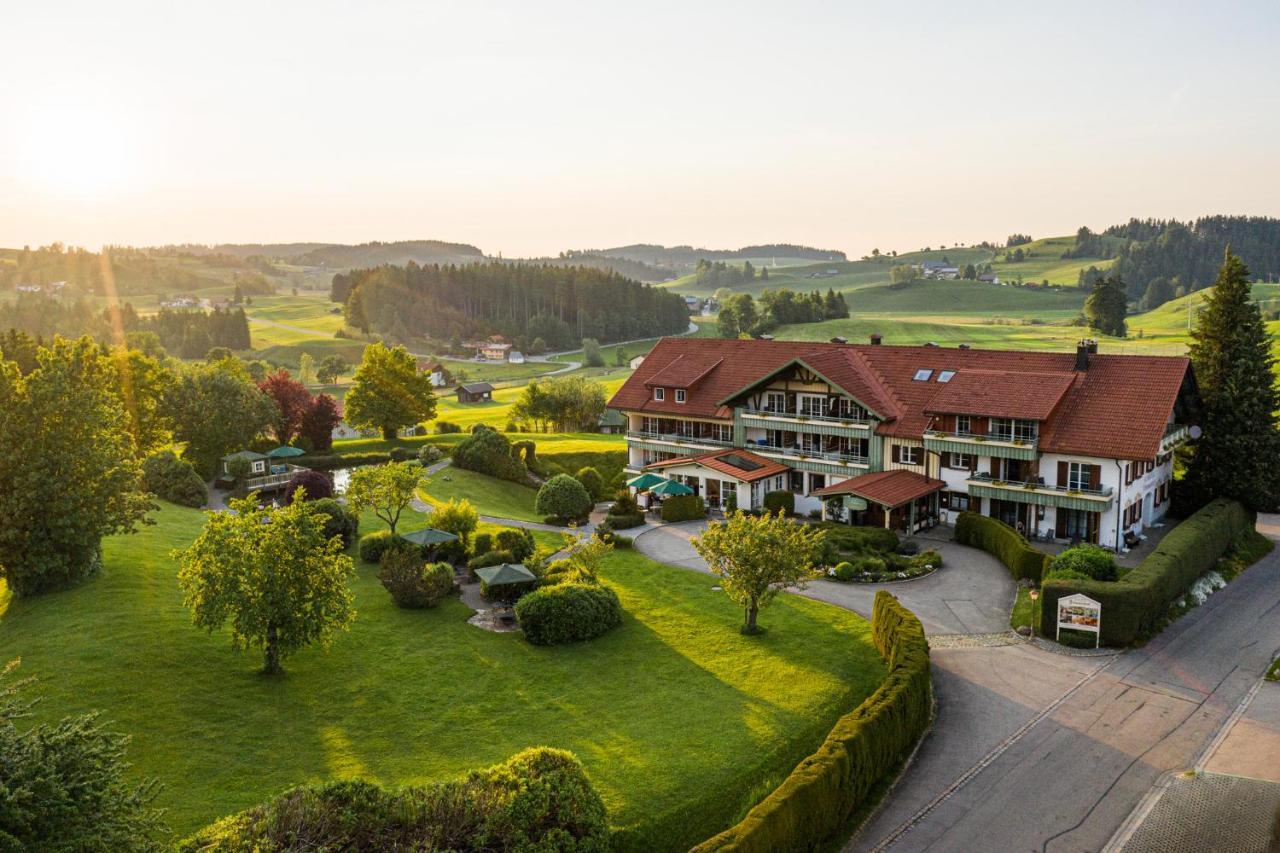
[318, 422]
[292, 401]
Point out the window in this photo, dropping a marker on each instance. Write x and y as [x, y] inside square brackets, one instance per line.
[679, 395]
[775, 402]
[812, 405]
[659, 394]
[945, 375]
[923, 374]
[1079, 476]
[907, 455]
[817, 481]
[1002, 428]
[1025, 430]
[963, 461]
[963, 425]
[958, 501]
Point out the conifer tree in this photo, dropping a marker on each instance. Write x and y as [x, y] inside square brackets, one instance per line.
[1106, 307]
[1238, 451]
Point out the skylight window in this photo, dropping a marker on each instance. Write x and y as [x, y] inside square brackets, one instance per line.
[945, 375]
[923, 374]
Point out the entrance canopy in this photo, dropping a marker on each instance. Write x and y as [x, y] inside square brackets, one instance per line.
[889, 489]
[742, 465]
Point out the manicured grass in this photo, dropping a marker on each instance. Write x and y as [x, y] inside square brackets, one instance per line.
[1273, 674]
[489, 495]
[497, 412]
[680, 720]
[1024, 612]
[1046, 261]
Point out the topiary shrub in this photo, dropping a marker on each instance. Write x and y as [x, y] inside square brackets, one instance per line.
[447, 428]
[317, 485]
[564, 498]
[374, 545]
[1002, 542]
[519, 543]
[780, 500]
[1088, 560]
[413, 583]
[487, 451]
[540, 799]
[173, 479]
[591, 481]
[568, 613]
[845, 572]
[683, 508]
[341, 522]
[482, 544]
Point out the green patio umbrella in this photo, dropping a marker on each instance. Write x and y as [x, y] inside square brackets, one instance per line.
[670, 489]
[645, 481]
[285, 451]
[428, 536]
[507, 573]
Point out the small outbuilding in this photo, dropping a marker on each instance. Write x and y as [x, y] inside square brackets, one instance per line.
[475, 392]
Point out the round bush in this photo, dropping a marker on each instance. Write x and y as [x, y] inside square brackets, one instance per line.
[447, 428]
[490, 558]
[869, 565]
[1066, 574]
[173, 479]
[374, 545]
[429, 454]
[780, 500]
[488, 451]
[518, 543]
[482, 544]
[845, 572]
[926, 558]
[1089, 560]
[413, 583]
[318, 485]
[591, 481]
[564, 498]
[568, 613]
[342, 521]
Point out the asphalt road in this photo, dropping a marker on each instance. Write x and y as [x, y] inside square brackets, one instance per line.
[1035, 751]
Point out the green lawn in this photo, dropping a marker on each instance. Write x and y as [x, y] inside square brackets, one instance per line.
[680, 720]
[489, 495]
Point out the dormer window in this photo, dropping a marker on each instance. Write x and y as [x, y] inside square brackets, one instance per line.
[945, 375]
[923, 374]
[679, 395]
[659, 394]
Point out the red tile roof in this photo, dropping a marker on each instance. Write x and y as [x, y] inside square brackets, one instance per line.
[887, 488]
[1117, 409]
[1000, 394]
[684, 371]
[742, 465]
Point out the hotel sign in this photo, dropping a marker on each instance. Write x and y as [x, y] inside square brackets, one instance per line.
[1080, 613]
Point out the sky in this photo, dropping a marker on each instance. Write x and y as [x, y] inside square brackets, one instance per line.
[529, 128]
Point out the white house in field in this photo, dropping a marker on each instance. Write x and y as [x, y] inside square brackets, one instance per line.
[1073, 446]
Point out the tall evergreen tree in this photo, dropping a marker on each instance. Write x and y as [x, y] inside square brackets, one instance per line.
[1238, 452]
[1106, 307]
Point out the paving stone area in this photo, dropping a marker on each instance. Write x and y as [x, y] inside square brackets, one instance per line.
[1206, 812]
[975, 641]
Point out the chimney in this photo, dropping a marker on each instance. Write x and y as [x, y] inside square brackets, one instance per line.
[839, 340]
[764, 337]
[931, 344]
[1082, 354]
[876, 338]
[962, 346]
[1093, 346]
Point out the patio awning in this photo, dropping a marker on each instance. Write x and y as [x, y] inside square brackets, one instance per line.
[670, 489]
[888, 488]
[428, 536]
[507, 573]
[645, 481]
[285, 451]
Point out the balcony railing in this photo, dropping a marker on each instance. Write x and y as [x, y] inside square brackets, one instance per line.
[1036, 486]
[273, 479]
[800, 452]
[801, 415]
[677, 438]
[980, 437]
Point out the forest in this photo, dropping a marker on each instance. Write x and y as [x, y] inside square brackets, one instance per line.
[523, 302]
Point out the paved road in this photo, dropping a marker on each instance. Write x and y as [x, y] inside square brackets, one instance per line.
[973, 594]
[1037, 752]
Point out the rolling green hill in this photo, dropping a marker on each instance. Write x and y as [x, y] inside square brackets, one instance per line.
[1043, 260]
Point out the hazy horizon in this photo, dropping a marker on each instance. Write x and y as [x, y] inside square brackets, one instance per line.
[527, 131]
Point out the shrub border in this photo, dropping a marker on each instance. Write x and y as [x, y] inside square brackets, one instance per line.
[815, 802]
[1004, 543]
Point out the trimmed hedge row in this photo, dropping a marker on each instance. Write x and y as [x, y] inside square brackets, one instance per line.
[683, 508]
[1133, 605]
[1004, 543]
[816, 800]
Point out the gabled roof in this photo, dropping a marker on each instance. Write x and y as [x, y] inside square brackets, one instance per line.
[1000, 394]
[742, 465]
[887, 488]
[476, 387]
[1116, 409]
[685, 371]
[251, 455]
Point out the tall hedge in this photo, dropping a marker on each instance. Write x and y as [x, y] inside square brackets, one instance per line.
[817, 799]
[683, 508]
[1002, 542]
[1133, 605]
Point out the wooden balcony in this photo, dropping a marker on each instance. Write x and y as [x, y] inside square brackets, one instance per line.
[1022, 491]
[999, 444]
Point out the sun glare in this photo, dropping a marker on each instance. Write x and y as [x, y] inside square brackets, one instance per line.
[78, 154]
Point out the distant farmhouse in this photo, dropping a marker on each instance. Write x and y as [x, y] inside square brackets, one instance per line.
[434, 370]
[475, 392]
[939, 269]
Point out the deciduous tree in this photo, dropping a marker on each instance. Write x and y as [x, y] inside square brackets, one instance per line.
[272, 573]
[217, 410]
[385, 489]
[291, 399]
[318, 422]
[1107, 306]
[757, 556]
[388, 392]
[69, 468]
